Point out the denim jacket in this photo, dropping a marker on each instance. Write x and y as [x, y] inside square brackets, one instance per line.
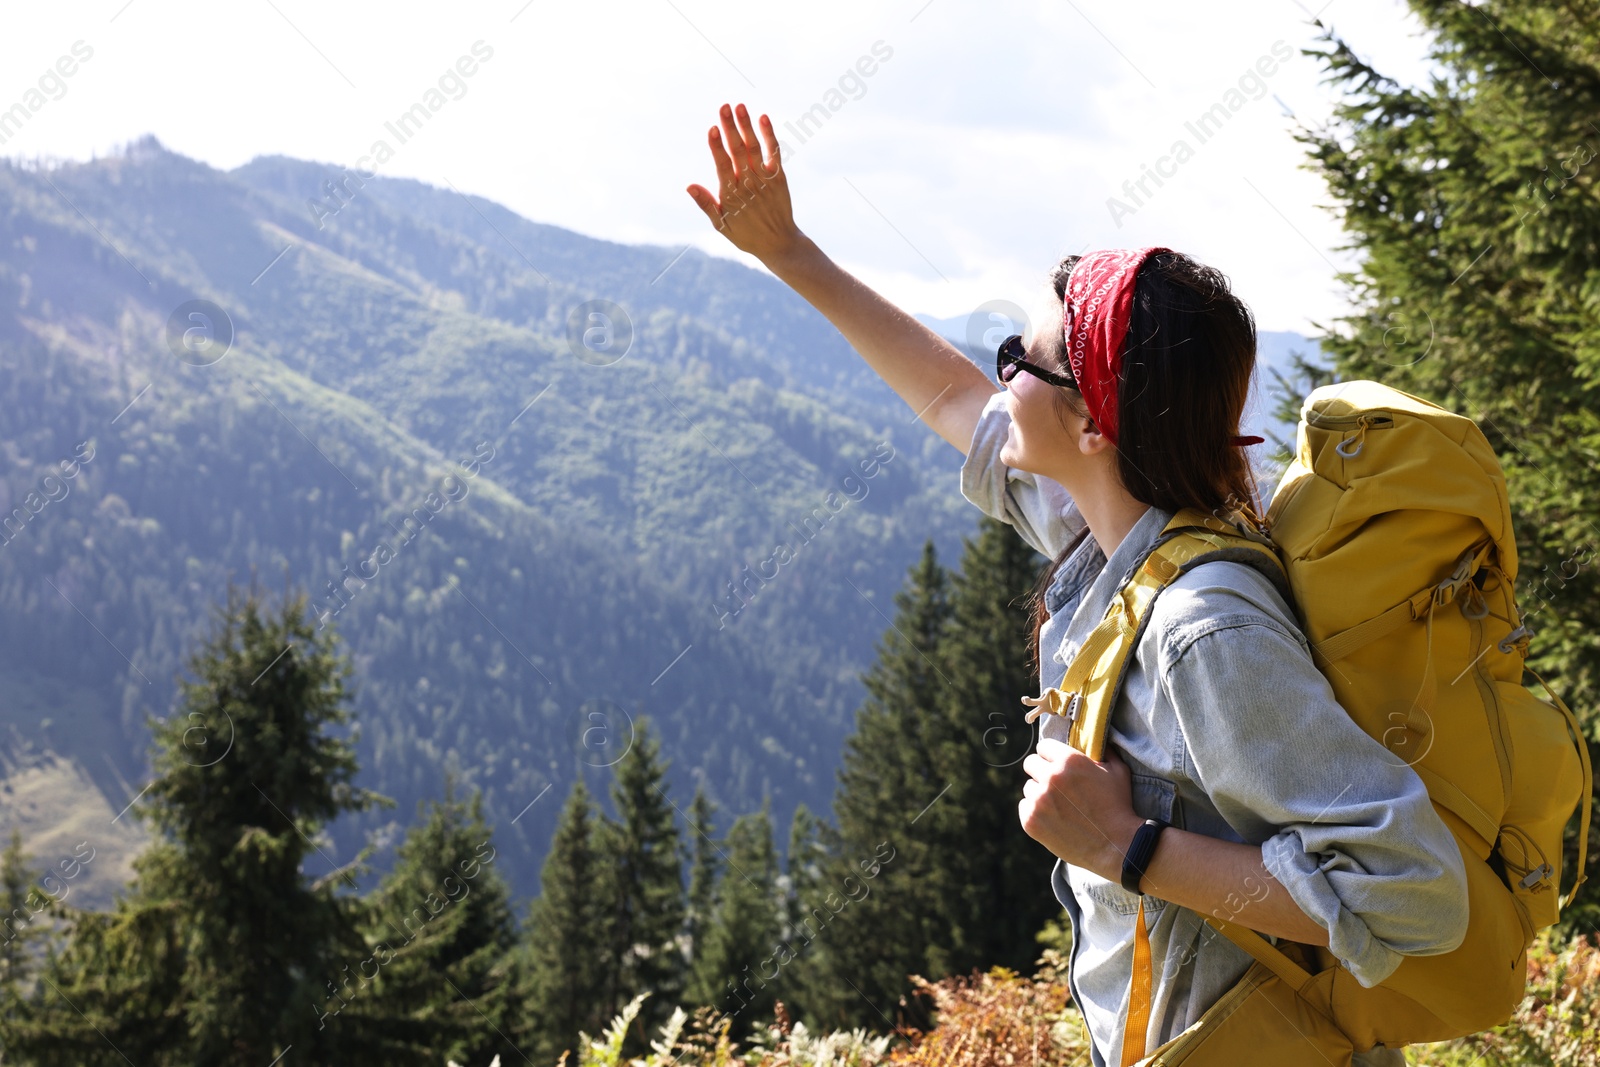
[1230, 731]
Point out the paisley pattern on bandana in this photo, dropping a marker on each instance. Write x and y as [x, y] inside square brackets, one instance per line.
[1094, 320]
[1095, 317]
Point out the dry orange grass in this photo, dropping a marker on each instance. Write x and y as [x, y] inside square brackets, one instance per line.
[1002, 1019]
[999, 1019]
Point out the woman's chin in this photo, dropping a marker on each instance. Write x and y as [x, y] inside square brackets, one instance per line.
[1017, 459]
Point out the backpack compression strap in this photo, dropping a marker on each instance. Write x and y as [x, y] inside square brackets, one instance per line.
[1584, 803]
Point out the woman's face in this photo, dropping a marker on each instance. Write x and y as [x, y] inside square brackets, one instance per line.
[1044, 431]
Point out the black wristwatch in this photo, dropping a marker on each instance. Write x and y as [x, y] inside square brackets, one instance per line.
[1139, 852]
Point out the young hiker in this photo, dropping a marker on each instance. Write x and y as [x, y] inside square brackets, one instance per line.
[1286, 817]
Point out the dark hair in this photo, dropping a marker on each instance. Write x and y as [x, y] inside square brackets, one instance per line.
[1186, 371]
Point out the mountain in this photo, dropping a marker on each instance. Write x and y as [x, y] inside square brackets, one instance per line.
[543, 486]
[536, 540]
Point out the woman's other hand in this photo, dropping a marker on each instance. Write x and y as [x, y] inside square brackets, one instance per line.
[752, 207]
[1079, 809]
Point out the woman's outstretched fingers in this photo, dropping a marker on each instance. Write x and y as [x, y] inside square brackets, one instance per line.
[737, 149]
[752, 143]
[707, 203]
[726, 177]
[774, 155]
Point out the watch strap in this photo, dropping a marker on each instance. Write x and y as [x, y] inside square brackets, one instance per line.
[1137, 858]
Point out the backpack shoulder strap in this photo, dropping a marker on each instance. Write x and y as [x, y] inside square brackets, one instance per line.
[1089, 689]
[1088, 693]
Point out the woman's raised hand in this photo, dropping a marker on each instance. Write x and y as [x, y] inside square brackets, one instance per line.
[752, 207]
[943, 386]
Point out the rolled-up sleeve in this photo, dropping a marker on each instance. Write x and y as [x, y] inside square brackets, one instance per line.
[1042, 512]
[1344, 824]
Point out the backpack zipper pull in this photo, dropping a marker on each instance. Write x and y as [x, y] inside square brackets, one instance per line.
[1510, 640]
[1359, 437]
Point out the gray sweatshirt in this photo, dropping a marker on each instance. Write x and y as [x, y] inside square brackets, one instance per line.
[1230, 731]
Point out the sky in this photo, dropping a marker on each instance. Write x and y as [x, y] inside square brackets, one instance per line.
[966, 146]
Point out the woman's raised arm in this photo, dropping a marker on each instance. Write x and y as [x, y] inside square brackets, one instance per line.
[753, 211]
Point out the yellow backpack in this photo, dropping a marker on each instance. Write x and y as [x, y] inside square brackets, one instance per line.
[1390, 535]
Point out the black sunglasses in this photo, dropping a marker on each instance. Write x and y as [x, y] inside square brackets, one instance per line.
[1008, 360]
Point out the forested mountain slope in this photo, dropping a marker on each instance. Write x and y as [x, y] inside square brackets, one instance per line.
[697, 511]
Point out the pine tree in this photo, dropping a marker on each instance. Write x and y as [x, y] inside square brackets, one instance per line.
[642, 847]
[1471, 201]
[930, 872]
[743, 944]
[802, 872]
[24, 909]
[802, 876]
[221, 952]
[569, 937]
[1004, 874]
[445, 987]
[855, 954]
[703, 855]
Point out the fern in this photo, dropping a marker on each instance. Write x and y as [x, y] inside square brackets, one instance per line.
[607, 1052]
[666, 1048]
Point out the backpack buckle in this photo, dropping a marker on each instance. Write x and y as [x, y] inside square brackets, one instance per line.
[1446, 590]
[1055, 702]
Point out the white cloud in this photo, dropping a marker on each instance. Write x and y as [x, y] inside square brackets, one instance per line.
[991, 139]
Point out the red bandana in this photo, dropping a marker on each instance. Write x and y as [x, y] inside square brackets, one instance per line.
[1095, 317]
